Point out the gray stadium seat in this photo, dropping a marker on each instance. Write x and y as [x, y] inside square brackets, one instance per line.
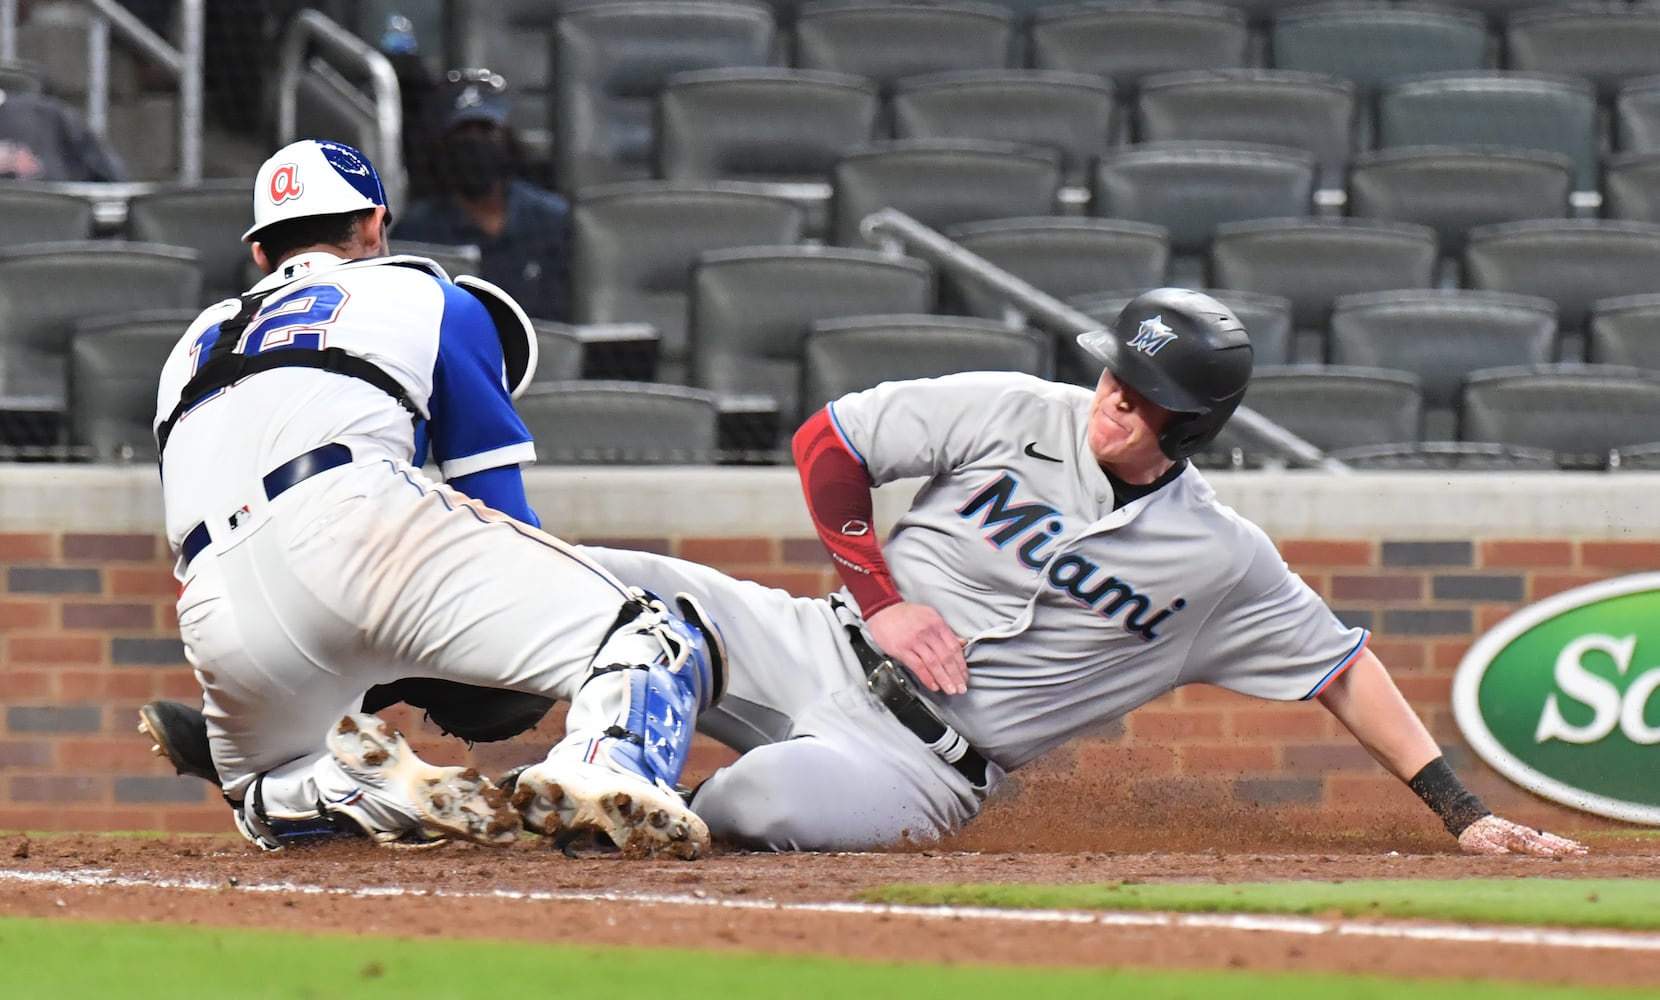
[597, 422]
[515, 37]
[1636, 119]
[207, 217]
[559, 352]
[455, 260]
[633, 246]
[887, 41]
[114, 365]
[46, 288]
[1129, 41]
[1580, 412]
[943, 182]
[762, 124]
[1635, 458]
[752, 308]
[854, 353]
[20, 77]
[1625, 330]
[610, 60]
[1631, 187]
[1607, 43]
[1071, 113]
[1062, 256]
[1517, 110]
[1573, 262]
[1277, 107]
[1441, 335]
[1446, 456]
[1190, 188]
[1314, 261]
[30, 214]
[1267, 320]
[1334, 407]
[1455, 189]
[1371, 43]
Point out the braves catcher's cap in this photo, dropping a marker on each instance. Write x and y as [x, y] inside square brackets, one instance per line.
[313, 177]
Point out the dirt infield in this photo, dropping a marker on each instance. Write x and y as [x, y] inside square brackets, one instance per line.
[744, 901]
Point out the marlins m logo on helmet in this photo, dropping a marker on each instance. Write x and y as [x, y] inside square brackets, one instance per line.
[1152, 335]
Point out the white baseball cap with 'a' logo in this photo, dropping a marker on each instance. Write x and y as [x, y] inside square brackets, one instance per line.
[313, 177]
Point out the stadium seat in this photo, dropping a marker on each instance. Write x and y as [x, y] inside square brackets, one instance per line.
[1125, 42]
[1062, 256]
[1455, 189]
[1371, 43]
[559, 352]
[1314, 261]
[1267, 320]
[853, 353]
[597, 422]
[1446, 456]
[1515, 110]
[762, 124]
[455, 260]
[633, 246]
[1636, 118]
[1070, 113]
[515, 37]
[46, 288]
[114, 363]
[1276, 107]
[1635, 458]
[1334, 407]
[943, 182]
[610, 61]
[40, 215]
[1190, 188]
[1606, 44]
[752, 308]
[884, 42]
[1631, 187]
[207, 217]
[1441, 335]
[20, 77]
[1573, 262]
[1580, 412]
[1625, 330]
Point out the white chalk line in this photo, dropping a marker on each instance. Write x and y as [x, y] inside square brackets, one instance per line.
[1549, 937]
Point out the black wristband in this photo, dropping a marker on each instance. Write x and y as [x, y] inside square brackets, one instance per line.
[1441, 790]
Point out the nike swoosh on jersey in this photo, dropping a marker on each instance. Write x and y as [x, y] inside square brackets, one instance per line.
[1031, 450]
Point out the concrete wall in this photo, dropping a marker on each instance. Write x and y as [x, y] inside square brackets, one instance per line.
[1426, 560]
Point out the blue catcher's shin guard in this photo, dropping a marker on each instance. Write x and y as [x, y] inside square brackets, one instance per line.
[685, 675]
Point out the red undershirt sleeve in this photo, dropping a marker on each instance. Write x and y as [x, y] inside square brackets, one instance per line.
[837, 490]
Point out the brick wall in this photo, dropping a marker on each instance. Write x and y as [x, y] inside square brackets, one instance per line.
[87, 635]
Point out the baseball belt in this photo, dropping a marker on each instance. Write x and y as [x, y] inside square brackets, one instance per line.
[887, 680]
[278, 481]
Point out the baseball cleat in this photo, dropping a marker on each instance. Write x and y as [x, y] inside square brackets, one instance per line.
[179, 734]
[559, 798]
[454, 802]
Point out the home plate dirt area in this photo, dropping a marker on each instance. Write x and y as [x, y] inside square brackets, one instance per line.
[807, 903]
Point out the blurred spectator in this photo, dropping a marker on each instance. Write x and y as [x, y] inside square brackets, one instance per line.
[43, 139]
[521, 230]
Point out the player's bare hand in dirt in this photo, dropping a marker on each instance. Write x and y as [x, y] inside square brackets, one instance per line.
[916, 635]
[1492, 835]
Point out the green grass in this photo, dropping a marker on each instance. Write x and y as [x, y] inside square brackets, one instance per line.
[69, 959]
[1623, 904]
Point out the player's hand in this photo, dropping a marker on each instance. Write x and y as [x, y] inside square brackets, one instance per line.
[1492, 835]
[916, 636]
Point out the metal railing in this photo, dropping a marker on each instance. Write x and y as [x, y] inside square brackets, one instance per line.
[894, 230]
[315, 34]
[182, 64]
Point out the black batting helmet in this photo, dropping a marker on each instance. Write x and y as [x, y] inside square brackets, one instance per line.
[1184, 351]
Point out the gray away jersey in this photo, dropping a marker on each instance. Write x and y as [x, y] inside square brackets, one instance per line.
[1075, 613]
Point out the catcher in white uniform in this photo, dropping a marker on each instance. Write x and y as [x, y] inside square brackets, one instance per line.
[1062, 565]
[316, 560]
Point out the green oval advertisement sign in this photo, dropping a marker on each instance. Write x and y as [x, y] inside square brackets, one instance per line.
[1560, 698]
